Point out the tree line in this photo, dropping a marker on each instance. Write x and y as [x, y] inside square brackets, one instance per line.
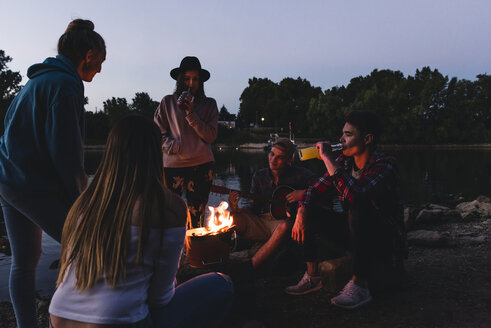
[427, 108]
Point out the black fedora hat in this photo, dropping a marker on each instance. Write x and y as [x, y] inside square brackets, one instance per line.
[190, 63]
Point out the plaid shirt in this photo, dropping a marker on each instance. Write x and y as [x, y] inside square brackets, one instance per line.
[379, 182]
[263, 183]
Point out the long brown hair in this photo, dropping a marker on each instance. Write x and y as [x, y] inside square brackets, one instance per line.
[96, 232]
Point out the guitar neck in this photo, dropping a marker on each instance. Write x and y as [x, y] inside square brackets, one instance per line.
[244, 194]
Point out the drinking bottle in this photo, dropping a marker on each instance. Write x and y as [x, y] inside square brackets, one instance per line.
[182, 99]
[311, 152]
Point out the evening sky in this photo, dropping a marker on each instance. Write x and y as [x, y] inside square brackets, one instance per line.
[326, 42]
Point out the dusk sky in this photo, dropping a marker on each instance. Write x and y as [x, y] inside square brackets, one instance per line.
[326, 42]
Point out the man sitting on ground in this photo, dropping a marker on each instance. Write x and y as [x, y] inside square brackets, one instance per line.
[367, 182]
[256, 222]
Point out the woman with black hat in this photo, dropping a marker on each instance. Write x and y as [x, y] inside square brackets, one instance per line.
[188, 122]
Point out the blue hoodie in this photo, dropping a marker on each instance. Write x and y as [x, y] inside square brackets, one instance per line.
[42, 148]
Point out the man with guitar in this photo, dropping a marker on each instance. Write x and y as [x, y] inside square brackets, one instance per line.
[257, 222]
[368, 184]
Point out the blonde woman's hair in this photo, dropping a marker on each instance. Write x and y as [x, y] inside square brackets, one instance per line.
[96, 232]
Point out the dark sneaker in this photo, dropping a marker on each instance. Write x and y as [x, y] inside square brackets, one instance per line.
[352, 296]
[306, 285]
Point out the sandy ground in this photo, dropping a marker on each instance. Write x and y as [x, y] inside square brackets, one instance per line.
[447, 286]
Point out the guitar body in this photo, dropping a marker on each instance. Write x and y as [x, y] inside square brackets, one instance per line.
[279, 204]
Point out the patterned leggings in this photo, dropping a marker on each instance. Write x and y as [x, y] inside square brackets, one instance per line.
[195, 181]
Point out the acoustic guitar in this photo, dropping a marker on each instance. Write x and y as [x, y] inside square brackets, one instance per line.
[278, 204]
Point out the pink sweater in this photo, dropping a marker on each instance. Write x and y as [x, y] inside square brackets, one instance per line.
[186, 140]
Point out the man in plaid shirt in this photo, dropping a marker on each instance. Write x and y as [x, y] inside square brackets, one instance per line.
[368, 184]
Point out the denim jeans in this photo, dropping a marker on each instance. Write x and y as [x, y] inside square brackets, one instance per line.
[202, 301]
[26, 216]
[360, 230]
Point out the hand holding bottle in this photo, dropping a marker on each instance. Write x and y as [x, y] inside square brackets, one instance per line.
[325, 149]
[312, 152]
[186, 101]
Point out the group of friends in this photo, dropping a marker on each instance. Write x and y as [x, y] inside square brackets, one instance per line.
[122, 234]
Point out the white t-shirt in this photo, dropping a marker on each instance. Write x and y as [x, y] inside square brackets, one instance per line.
[149, 284]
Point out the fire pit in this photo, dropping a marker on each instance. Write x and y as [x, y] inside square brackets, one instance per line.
[211, 244]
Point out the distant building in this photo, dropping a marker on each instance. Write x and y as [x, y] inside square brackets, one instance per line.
[227, 124]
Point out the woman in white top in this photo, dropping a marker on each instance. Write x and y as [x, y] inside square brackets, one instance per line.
[121, 245]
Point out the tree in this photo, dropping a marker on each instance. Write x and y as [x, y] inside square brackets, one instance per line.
[294, 96]
[278, 103]
[97, 127]
[427, 108]
[9, 86]
[143, 104]
[428, 89]
[483, 101]
[116, 109]
[257, 99]
[224, 115]
[325, 115]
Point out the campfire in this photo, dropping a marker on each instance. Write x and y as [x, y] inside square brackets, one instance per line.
[210, 245]
[219, 220]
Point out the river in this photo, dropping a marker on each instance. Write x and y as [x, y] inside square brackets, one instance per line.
[427, 175]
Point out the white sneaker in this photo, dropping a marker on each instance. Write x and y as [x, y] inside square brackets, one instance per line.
[306, 285]
[352, 296]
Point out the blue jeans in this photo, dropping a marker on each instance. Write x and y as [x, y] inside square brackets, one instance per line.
[26, 216]
[199, 302]
[203, 301]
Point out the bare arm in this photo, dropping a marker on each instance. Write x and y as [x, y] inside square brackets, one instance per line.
[295, 196]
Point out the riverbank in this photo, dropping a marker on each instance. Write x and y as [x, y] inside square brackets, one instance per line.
[448, 281]
[303, 144]
[300, 145]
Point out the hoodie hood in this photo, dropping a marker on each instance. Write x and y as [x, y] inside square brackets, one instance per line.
[60, 63]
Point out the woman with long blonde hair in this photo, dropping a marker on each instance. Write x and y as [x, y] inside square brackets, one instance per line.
[122, 241]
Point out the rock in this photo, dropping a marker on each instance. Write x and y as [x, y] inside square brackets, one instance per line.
[409, 217]
[436, 214]
[437, 207]
[429, 216]
[451, 216]
[427, 238]
[336, 273]
[473, 240]
[483, 199]
[474, 209]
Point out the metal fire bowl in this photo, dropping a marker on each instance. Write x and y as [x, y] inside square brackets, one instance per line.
[207, 250]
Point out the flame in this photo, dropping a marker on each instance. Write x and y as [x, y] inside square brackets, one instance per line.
[219, 218]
